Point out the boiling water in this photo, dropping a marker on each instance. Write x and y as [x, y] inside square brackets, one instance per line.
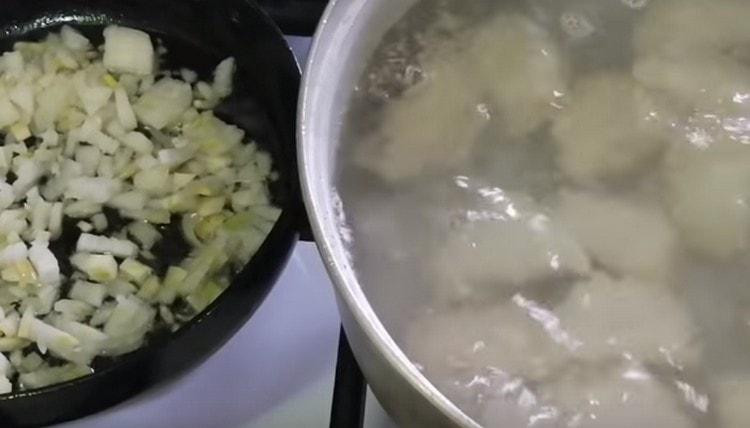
[550, 207]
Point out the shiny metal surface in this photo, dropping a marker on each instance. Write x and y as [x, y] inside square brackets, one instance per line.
[348, 33]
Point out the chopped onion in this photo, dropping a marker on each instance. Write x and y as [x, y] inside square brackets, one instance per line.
[138, 142]
[74, 40]
[88, 292]
[97, 190]
[45, 264]
[125, 112]
[86, 129]
[163, 103]
[88, 243]
[223, 77]
[128, 51]
[98, 267]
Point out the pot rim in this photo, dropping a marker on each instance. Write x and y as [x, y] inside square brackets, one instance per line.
[316, 197]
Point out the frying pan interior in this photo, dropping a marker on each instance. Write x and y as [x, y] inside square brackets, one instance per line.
[198, 34]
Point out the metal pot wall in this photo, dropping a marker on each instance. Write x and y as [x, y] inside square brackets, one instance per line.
[349, 32]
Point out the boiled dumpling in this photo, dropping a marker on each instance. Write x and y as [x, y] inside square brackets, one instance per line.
[625, 397]
[504, 247]
[457, 343]
[628, 318]
[482, 359]
[683, 27]
[432, 126]
[709, 83]
[627, 237]
[608, 129]
[732, 398]
[696, 52]
[508, 71]
[522, 69]
[708, 190]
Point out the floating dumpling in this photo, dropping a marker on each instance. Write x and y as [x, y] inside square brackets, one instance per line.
[624, 236]
[695, 51]
[627, 318]
[609, 129]
[433, 125]
[683, 27]
[710, 83]
[708, 191]
[522, 69]
[459, 342]
[498, 249]
[508, 69]
[622, 398]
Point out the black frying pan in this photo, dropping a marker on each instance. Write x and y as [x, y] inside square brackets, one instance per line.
[198, 34]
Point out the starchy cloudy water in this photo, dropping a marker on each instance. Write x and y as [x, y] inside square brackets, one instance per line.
[549, 207]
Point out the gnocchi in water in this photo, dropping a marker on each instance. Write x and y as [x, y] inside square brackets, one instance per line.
[571, 183]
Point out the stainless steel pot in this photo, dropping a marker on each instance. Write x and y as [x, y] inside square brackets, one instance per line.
[348, 34]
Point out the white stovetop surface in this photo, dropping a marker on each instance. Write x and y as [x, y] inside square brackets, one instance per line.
[276, 372]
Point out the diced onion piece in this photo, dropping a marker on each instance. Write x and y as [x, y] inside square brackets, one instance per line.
[119, 287]
[74, 310]
[154, 181]
[13, 253]
[135, 270]
[210, 206]
[93, 98]
[103, 141]
[138, 142]
[9, 324]
[88, 243]
[8, 112]
[98, 267]
[51, 103]
[12, 63]
[175, 157]
[180, 180]
[125, 113]
[55, 220]
[74, 40]
[9, 344]
[46, 337]
[144, 233]
[201, 264]
[223, 77]
[94, 189]
[5, 369]
[23, 96]
[45, 264]
[6, 195]
[127, 50]
[212, 135]
[100, 222]
[203, 297]
[163, 103]
[28, 173]
[88, 292]
[51, 375]
[149, 289]
[133, 200]
[81, 209]
[88, 157]
[172, 280]
[91, 340]
[130, 321]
